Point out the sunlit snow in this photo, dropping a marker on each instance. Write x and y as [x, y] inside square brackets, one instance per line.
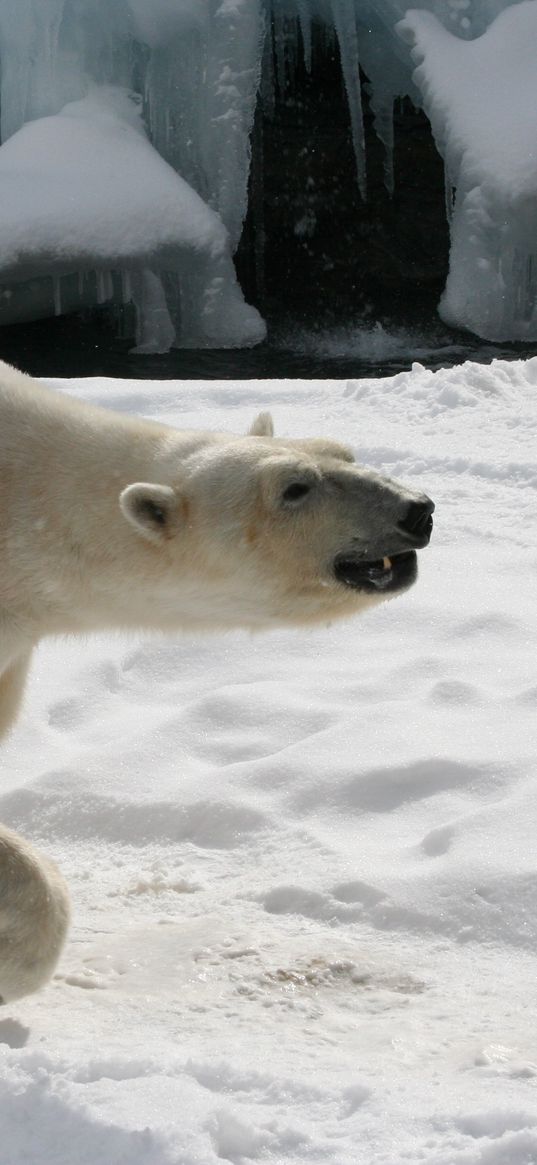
[302, 864]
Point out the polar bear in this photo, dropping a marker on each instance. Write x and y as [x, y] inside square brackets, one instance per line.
[34, 916]
[109, 521]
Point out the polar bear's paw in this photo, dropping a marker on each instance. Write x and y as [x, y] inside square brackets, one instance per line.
[34, 916]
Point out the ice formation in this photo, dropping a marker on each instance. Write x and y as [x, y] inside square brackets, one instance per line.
[134, 229]
[99, 231]
[481, 97]
[196, 67]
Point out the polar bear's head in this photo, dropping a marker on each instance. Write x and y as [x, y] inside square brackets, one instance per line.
[257, 531]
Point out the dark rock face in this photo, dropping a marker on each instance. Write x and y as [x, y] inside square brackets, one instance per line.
[311, 248]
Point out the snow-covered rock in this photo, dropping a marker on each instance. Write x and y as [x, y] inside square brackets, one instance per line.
[90, 211]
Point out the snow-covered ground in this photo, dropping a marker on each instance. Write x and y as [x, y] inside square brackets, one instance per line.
[303, 865]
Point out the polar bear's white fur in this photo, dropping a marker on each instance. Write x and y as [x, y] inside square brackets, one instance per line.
[34, 915]
[113, 521]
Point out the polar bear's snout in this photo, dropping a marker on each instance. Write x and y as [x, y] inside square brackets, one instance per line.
[396, 567]
[418, 522]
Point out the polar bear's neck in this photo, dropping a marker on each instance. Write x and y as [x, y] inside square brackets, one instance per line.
[73, 561]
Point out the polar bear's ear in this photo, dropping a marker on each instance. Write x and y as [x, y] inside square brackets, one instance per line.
[151, 509]
[263, 426]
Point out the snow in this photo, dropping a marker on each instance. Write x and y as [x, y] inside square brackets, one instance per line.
[480, 97]
[302, 864]
[73, 202]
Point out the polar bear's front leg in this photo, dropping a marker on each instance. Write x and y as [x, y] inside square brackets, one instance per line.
[12, 684]
[34, 900]
[34, 916]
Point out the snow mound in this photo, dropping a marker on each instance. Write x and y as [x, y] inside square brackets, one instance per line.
[480, 97]
[90, 212]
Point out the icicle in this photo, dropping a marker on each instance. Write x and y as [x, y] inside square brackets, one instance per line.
[279, 41]
[57, 294]
[268, 78]
[381, 103]
[531, 286]
[126, 287]
[345, 25]
[232, 81]
[154, 329]
[304, 19]
[449, 193]
[105, 287]
[521, 275]
[28, 47]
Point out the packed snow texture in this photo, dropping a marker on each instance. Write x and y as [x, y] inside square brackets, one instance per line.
[302, 864]
[197, 65]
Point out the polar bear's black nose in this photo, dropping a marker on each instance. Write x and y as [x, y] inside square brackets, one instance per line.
[418, 521]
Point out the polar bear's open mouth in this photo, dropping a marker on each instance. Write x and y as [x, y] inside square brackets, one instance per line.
[381, 574]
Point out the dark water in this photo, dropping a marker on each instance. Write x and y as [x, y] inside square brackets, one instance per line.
[69, 346]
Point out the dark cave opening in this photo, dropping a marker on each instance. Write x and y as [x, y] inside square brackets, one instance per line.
[312, 250]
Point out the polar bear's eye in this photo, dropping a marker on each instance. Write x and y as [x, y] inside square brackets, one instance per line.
[296, 491]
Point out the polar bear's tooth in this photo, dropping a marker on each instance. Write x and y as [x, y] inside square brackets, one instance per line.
[387, 563]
